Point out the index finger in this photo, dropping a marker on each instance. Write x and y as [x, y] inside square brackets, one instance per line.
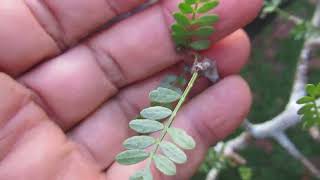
[35, 30]
[130, 51]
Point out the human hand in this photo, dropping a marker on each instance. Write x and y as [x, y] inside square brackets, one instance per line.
[65, 109]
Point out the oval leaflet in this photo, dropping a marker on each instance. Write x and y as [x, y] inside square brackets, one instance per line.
[139, 142]
[164, 95]
[181, 138]
[156, 113]
[130, 157]
[145, 126]
[173, 152]
[165, 165]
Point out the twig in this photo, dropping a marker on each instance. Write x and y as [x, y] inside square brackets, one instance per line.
[276, 127]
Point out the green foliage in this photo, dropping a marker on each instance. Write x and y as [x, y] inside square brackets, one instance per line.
[191, 31]
[165, 165]
[154, 120]
[270, 6]
[270, 99]
[174, 153]
[144, 126]
[220, 162]
[139, 142]
[156, 112]
[193, 26]
[310, 111]
[132, 156]
[245, 173]
[303, 29]
[181, 138]
[164, 95]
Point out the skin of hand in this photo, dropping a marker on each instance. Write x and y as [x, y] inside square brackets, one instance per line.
[67, 92]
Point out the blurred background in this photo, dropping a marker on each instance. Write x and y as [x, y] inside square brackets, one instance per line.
[270, 74]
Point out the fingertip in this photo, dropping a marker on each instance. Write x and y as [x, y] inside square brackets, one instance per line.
[224, 107]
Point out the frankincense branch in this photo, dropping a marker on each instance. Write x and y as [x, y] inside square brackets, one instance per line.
[191, 34]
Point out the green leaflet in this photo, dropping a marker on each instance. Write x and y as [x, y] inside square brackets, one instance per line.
[173, 152]
[200, 45]
[179, 40]
[185, 8]
[190, 1]
[165, 165]
[169, 79]
[306, 109]
[181, 138]
[156, 113]
[206, 20]
[270, 6]
[173, 82]
[145, 126]
[310, 111]
[179, 30]
[142, 175]
[204, 31]
[208, 6]
[130, 157]
[313, 90]
[164, 95]
[139, 142]
[245, 173]
[181, 19]
[306, 99]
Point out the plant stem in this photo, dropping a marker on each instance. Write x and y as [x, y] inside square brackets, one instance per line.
[296, 20]
[194, 13]
[173, 115]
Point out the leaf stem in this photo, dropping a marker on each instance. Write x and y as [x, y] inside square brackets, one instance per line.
[296, 20]
[194, 13]
[173, 115]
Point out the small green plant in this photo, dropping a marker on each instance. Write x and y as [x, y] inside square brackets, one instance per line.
[191, 34]
[303, 29]
[310, 111]
[245, 173]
